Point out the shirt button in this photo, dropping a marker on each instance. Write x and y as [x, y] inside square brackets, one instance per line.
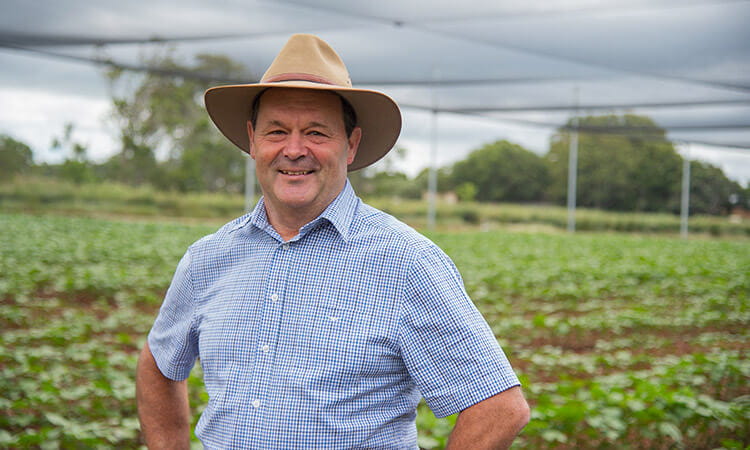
[274, 297]
[256, 403]
[265, 348]
[285, 246]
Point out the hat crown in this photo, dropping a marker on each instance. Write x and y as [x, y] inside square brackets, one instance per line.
[306, 57]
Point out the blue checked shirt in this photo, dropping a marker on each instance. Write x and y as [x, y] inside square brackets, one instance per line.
[328, 340]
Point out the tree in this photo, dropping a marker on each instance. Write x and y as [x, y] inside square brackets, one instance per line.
[444, 180]
[711, 192]
[637, 171]
[206, 162]
[501, 172]
[16, 158]
[165, 114]
[383, 179]
[76, 167]
[466, 191]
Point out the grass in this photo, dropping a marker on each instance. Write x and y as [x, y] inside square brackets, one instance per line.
[109, 200]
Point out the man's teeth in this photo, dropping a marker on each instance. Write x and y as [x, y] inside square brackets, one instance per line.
[295, 172]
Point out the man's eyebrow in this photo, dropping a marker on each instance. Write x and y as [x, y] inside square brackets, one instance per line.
[277, 123]
[317, 125]
[273, 123]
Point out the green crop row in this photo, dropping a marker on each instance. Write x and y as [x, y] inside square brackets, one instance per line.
[662, 407]
[669, 405]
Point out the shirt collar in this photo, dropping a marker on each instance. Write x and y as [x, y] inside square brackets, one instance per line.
[340, 213]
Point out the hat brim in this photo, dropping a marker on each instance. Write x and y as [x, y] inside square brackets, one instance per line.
[377, 114]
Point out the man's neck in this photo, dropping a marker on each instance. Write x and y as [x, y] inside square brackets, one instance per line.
[287, 220]
[288, 223]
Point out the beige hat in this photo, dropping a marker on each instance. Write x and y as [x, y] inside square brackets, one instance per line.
[308, 62]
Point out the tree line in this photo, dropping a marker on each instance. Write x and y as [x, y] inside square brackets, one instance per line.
[640, 171]
[167, 141]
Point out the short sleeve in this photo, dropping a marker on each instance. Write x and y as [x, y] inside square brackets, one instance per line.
[172, 339]
[447, 346]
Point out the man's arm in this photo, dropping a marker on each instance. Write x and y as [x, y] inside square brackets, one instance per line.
[492, 423]
[163, 406]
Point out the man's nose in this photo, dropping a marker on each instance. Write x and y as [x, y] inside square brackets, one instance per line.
[295, 147]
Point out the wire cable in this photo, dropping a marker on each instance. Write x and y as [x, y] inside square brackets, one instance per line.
[507, 46]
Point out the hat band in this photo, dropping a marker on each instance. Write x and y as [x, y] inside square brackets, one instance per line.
[298, 77]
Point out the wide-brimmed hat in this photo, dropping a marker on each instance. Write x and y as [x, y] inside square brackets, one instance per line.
[308, 62]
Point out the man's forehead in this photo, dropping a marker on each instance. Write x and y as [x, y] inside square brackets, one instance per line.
[290, 96]
[320, 103]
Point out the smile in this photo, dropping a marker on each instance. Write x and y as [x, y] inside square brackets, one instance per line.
[296, 172]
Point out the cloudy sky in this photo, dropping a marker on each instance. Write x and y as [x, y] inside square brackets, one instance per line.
[495, 69]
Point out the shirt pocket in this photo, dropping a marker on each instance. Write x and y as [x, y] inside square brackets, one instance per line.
[328, 340]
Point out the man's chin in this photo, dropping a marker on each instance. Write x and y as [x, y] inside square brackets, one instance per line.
[302, 199]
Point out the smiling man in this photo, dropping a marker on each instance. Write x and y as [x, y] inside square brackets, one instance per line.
[319, 321]
[302, 152]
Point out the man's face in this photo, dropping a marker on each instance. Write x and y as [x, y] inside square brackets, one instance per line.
[301, 150]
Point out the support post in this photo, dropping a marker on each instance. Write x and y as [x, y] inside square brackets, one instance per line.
[685, 200]
[432, 175]
[573, 169]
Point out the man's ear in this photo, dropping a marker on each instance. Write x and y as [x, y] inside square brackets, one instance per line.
[354, 140]
[250, 134]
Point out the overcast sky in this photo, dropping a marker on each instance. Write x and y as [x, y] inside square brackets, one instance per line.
[688, 60]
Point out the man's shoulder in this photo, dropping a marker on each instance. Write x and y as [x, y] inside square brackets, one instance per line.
[221, 239]
[379, 227]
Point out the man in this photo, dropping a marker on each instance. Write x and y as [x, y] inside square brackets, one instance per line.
[319, 321]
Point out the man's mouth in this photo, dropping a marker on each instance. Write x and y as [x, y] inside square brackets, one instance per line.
[296, 172]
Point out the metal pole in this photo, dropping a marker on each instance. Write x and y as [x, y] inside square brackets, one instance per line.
[573, 169]
[249, 183]
[432, 175]
[685, 201]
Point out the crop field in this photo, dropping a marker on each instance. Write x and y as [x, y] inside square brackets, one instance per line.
[621, 341]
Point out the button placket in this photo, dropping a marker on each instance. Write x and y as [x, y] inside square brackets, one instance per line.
[267, 337]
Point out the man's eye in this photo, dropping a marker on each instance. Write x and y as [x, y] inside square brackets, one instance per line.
[276, 132]
[316, 133]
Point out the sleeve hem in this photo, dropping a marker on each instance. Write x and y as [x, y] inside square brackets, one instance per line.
[462, 397]
[167, 369]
